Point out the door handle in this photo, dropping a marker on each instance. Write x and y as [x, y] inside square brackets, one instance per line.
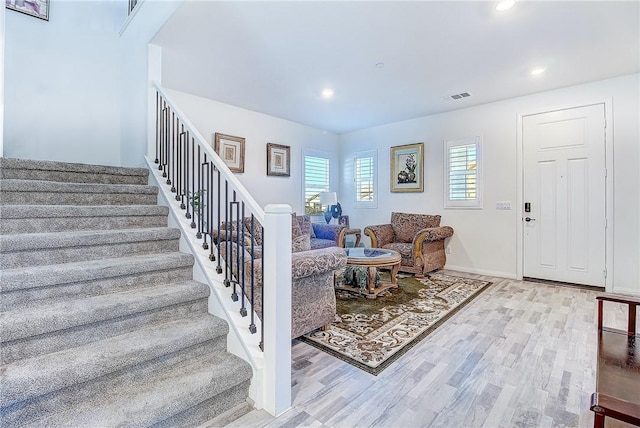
[528, 219]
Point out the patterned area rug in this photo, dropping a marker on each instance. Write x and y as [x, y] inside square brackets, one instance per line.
[371, 334]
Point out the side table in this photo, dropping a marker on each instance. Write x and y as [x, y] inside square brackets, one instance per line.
[356, 232]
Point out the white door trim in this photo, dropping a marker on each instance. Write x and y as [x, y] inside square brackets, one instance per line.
[608, 112]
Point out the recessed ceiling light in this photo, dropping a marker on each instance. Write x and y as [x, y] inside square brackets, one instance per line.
[327, 93]
[505, 5]
[538, 70]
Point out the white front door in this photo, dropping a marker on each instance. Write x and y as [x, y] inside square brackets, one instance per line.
[564, 187]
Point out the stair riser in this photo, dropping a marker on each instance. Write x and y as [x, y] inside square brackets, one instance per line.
[49, 256]
[61, 198]
[33, 412]
[78, 290]
[122, 353]
[71, 177]
[63, 339]
[208, 409]
[43, 225]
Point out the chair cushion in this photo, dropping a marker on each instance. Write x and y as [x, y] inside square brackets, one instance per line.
[300, 243]
[405, 250]
[321, 243]
[406, 226]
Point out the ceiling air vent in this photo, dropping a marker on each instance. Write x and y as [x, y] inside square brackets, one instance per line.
[457, 96]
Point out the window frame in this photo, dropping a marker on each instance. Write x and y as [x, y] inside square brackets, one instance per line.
[373, 203]
[470, 203]
[320, 155]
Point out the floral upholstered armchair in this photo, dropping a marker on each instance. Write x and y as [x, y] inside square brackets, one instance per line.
[418, 238]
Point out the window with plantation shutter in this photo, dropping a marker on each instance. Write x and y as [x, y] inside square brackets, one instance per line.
[463, 174]
[316, 180]
[365, 179]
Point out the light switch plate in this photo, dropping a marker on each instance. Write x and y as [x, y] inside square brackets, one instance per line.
[503, 205]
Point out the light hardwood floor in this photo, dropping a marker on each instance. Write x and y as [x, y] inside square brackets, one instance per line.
[522, 354]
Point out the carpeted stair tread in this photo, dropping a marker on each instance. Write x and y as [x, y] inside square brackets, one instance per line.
[39, 241]
[17, 219]
[73, 211]
[17, 185]
[47, 318]
[7, 164]
[150, 400]
[51, 275]
[101, 323]
[40, 375]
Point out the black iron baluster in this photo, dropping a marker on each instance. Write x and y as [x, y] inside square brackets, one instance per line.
[205, 221]
[180, 161]
[162, 132]
[234, 294]
[227, 237]
[196, 194]
[185, 163]
[171, 127]
[219, 267]
[252, 326]
[212, 257]
[191, 195]
[174, 152]
[243, 309]
[262, 300]
[163, 149]
[157, 125]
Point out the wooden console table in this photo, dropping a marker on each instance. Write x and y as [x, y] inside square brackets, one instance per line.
[618, 377]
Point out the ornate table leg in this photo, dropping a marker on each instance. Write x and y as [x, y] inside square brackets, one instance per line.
[371, 281]
[394, 273]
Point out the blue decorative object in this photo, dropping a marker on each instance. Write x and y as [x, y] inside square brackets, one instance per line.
[336, 210]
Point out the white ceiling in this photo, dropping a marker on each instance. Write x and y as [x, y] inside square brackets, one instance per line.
[276, 57]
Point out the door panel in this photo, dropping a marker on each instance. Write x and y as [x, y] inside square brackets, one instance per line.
[564, 180]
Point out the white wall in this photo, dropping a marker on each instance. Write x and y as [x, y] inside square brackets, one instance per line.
[134, 78]
[258, 129]
[61, 92]
[2, 31]
[75, 89]
[485, 240]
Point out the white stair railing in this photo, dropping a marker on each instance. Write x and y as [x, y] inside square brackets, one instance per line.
[211, 206]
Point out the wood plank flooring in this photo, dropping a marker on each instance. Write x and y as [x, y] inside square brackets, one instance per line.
[522, 354]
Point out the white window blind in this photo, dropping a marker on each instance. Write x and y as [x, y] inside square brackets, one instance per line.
[462, 169]
[316, 180]
[364, 178]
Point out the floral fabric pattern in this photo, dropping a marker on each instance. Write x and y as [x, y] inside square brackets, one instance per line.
[300, 243]
[406, 226]
[305, 225]
[418, 238]
[312, 289]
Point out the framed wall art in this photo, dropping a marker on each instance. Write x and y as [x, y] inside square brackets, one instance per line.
[343, 220]
[37, 8]
[278, 160]
[406, 168]
[231, 150]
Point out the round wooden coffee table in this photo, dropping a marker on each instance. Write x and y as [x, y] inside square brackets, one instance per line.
[373, 258]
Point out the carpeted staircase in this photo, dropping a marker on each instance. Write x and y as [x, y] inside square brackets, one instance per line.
[101, 322]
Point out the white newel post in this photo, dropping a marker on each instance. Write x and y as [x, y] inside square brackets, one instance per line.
[277, 308]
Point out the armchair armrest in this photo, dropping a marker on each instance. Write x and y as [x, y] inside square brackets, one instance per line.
[332, 232]
[430, 234]
[380, 234]
[307, 263]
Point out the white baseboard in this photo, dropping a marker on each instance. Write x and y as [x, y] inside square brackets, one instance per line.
[466, 269]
